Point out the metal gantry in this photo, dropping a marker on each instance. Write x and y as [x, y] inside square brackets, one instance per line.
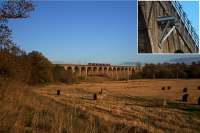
[186, 22]
[166, 22]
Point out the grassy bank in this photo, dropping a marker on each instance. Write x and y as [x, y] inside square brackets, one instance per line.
[23, 111]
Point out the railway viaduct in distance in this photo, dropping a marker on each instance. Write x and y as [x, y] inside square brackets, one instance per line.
[91, 69]
[163, 27]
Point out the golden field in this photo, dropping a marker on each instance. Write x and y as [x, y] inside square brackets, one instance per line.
[123, 107]
[137, 103]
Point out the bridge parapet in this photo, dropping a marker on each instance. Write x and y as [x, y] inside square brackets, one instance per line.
[116, 72]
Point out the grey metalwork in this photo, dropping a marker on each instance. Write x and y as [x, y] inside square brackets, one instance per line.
[186, 22]
[166, 22]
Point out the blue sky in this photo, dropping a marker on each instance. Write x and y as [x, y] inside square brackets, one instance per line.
[191, 8]
[83, 31]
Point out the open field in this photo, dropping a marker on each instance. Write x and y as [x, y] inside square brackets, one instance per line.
[123, 107]
[23, 111]
[136, 103]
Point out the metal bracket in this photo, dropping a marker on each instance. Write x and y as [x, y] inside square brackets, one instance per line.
[169, 22]
[163, 38]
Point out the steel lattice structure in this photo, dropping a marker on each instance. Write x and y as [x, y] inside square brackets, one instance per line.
[186, 22]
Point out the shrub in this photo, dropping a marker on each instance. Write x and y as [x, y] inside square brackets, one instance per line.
[41, 68]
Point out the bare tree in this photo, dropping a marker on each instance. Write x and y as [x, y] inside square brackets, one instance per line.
[12, 9]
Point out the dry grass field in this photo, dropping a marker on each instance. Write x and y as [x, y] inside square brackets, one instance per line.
[136, 103]
[123, 107]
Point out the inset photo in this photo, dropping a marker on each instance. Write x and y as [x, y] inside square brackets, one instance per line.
[168, 27]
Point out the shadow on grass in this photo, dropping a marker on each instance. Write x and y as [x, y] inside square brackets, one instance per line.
[143, 101]
[190, 109]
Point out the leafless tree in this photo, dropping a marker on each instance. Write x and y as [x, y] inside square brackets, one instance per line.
[12, 9]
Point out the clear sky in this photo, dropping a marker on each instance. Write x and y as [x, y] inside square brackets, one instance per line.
[83, 31]
[191, 8]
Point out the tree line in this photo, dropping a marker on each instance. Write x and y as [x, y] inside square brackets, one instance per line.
[167, 70]
[32, 68]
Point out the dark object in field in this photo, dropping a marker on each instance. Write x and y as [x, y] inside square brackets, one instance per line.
[163, 88]
[101, 91]
[185, 97]
[94, 96]
[169, 87]
[198, 87]
[58, 92]
[185, 89]
[199, 101]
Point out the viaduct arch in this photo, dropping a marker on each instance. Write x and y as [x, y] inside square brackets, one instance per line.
[112, 71]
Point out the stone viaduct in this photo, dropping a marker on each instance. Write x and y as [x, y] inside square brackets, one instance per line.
[112, 71]
[163, 27]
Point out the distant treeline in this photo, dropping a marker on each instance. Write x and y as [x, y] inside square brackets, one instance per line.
[34, 68]
[167, 70]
